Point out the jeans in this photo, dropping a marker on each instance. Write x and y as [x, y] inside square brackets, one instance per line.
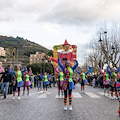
[4, 88]
[53, 83]
[40, 83]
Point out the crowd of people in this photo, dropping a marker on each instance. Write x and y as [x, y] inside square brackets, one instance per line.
[109, 79]
[23, 78]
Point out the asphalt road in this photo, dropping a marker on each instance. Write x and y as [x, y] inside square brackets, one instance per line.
[88, 105]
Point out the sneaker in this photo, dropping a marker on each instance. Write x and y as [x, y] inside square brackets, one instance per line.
[18, 98]
[116, 98]
[65, 107]
[13, 97]
[108, 94]
[4, 97]
[112, 98]
[59, 96]
[70, 107]
[62, 96]
[27, 94]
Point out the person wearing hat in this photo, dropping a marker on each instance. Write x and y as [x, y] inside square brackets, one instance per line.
[68, 82]
[66, 54]
[5, 80]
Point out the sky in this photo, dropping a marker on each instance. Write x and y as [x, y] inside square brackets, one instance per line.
[50, 22]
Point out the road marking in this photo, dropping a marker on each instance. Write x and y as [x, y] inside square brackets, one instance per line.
[57, 96]
[48, 93]
[102, 93]
[92, 95]
[76, 95]
[40, 92]
[44, 95]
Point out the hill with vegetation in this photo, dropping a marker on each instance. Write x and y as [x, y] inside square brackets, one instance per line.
[24, 46]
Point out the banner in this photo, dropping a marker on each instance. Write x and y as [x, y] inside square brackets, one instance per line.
[90, 69]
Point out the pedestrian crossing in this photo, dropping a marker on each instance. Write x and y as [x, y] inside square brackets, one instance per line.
[92, 95]
[78, 95]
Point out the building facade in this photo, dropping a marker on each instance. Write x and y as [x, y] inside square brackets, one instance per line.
[37, 58]
[2, 51]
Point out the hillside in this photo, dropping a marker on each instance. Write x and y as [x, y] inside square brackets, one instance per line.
[25, 47]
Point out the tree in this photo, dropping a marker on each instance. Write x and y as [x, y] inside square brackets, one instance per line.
[37, 68]
[106, 51]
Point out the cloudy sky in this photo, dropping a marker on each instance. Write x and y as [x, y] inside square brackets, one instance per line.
[50, 22]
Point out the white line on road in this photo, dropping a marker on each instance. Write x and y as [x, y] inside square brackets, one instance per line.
[92, 95]
[40, 92]
[44, 95]
[106, 95]
[76, 95]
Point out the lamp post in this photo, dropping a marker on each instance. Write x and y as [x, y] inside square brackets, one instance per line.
[100, 40]
[17, 51]
[105, 32]
[43, 65]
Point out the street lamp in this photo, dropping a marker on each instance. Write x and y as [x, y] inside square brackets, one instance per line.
[100, 40]
[113, 47]
[105, 32]
[43, 65]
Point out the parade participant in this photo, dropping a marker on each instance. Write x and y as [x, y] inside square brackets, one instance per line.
[113, 79]
[45, 80]
[68, 83]
[60, 83]
[118, 75]
[50, 81]
[118, 92]
[30, 71]
[5, 80]
[1, 68]
[23, 73]
[18, 81]
[26, 83]
[83, 80]
[32, 80]
[106, 80]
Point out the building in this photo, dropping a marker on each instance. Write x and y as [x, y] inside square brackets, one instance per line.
[36, 58]
[2, 51]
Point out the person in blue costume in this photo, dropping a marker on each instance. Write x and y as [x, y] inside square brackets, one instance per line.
[68, 82]
[45, 80]
[83, 80]
[113, 79]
